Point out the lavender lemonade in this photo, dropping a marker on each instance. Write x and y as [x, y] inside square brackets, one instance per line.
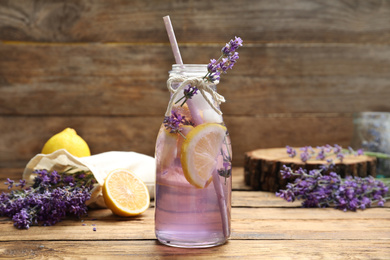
[193, 156]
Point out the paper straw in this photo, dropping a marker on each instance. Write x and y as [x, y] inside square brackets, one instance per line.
[172, 39]
[222, 203]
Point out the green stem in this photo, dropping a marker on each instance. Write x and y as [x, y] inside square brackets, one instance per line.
[182, 135]
[378, 155]
[227, 147]
[180, 99]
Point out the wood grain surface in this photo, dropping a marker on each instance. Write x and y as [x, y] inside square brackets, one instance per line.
[22, 137]
[263, 225]
[241, 249]
[350, 21]
[47, 79]
[101, 67]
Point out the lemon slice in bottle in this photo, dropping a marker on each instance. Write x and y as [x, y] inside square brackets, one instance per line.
[199, 153]
[169, 142]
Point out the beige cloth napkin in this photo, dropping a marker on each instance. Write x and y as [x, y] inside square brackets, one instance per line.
[100, 165]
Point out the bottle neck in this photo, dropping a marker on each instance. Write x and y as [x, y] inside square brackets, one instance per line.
[188, 70]
[182, 72]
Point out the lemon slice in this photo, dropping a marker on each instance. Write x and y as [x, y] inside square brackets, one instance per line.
[125, 194]
[200, 151]
[166, 142]
[185, 129]
[183, 111]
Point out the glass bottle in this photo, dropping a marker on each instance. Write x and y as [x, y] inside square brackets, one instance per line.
[193, 156]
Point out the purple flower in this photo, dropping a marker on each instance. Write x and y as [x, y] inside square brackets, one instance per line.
[22, 219]
[226, 170]
[190, 91]
[365, 203]
[10, 183]
[288, 195]
[337, 149]
[291, 151]
[317, 190]
[321, 154]
[340, 156]
[52, 197]
[175, 121]
[69, 179]
[21, 184]
[323, 151]
[232, 46]
[360, 152]
[213, 66]
[327, 148]
[305, 157]
[286, 172]
[215, 76]
[225, 62]
[306, 154]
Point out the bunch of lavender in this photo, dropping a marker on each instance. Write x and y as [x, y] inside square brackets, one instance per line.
[226, 61]
[317, 190]
[52, 196]
[325, 151]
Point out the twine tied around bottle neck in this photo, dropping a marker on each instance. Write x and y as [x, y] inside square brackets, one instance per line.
[197, 82]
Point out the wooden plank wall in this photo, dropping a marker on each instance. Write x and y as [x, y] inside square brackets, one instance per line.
[101, 66]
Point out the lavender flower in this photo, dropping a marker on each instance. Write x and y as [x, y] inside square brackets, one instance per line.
[225, 62]
[189, 92]
[232, 46]
[21, 184]
[321, 154]
[22, 219]
[10, 183]
[174, 122]
[317, 190]
[226, 170]
[291, 151]
[340, 156]
[48, 200]
[308, 152]
[337, 149]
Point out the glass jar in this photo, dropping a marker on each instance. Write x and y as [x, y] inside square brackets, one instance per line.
[193, 156]
[372, 133]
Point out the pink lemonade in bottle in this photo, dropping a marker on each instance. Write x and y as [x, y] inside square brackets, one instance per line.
[193, 156]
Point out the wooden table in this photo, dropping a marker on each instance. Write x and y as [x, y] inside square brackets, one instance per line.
[263, 227]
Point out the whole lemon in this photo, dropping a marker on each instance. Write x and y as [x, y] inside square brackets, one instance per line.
[69, 140]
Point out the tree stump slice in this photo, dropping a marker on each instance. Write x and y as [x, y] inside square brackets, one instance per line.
[262, 167]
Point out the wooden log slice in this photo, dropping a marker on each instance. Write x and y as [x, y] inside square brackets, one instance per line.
[262, 167]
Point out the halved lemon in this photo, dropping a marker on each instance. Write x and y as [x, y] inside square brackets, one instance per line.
[125, 194]
[199, 153]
